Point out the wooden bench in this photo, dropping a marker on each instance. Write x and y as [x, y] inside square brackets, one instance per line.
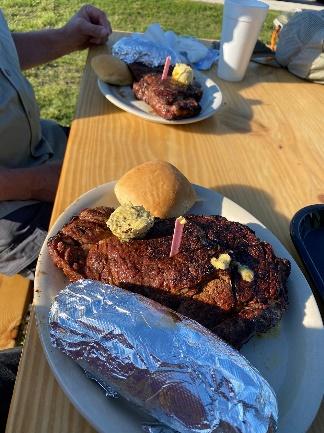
[15, 296]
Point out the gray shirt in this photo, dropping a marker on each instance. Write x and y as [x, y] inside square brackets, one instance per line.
[25, 140]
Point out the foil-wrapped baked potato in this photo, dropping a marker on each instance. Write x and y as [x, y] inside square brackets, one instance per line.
[169, 365]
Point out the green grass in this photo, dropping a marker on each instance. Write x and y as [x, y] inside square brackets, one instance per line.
[56, 84]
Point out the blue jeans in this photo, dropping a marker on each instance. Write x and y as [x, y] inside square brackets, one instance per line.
[22, 234]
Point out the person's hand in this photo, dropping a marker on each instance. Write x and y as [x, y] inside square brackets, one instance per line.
[87, 27]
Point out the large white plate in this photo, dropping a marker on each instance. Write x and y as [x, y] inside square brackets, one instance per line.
[124, 98]
[290, 357]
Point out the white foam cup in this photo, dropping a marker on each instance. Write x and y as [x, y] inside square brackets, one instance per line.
[242, 22]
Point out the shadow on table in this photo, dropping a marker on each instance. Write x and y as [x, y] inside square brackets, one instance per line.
[246, 197]
[235, 114]
[227, 120]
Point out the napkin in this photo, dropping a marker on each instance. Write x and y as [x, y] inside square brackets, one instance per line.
[153, 46]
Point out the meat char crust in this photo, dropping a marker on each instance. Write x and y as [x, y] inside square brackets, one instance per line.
[168, 98]
[219, 299]
[69, 247]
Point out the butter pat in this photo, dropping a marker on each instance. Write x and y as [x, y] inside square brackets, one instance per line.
[182, 220]
[222, 262]
[128, 222]
[246, 273]
[182, 73]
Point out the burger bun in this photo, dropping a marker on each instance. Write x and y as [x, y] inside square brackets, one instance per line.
[111, 69]
[159, 187]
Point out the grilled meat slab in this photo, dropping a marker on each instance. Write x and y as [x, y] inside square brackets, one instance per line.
[70, 247]
[168, 98]
[139, 70]
[219, 299]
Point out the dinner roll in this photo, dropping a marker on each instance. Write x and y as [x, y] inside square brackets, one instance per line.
[159, 187]
[111, 69]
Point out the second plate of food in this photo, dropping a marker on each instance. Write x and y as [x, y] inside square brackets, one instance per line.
[124, 98]
[288, 356]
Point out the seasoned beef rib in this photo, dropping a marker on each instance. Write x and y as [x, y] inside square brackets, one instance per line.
[219, 299]
[168, 98]
[138, 70]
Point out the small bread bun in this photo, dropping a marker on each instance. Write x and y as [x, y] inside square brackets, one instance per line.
[159, 187]
[111, 69]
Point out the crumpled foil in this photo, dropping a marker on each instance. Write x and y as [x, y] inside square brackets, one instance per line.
[170, 366]
[154, 45]
[132, 49]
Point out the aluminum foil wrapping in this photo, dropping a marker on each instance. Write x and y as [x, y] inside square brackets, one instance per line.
[136, 49]
[169, 365]
[154, 45]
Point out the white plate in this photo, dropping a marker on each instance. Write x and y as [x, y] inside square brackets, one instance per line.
[289, 357]
[124, 98]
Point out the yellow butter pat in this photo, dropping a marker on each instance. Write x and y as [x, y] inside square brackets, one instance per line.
[221, 262]
[182, 73]
[246, 273]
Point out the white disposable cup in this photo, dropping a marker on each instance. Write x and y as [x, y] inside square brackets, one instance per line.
[242, 22]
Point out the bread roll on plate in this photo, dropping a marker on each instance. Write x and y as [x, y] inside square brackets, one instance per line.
[112, 70]
[159, 187]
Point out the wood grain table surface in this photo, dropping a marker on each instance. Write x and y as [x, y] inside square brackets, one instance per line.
[263, 150]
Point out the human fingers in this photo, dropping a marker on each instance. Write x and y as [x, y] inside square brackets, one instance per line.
[97, 41]
[96, 16]
[94, 31]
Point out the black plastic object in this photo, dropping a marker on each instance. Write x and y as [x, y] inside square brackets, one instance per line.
[307, 233]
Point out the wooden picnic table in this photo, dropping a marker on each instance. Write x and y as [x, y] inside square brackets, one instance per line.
[263, 149]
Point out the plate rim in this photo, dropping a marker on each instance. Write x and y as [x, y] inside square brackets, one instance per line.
[64, 216]
[106, 90]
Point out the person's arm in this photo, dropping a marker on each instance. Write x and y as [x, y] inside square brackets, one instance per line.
[33, 183]
[87, 27]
